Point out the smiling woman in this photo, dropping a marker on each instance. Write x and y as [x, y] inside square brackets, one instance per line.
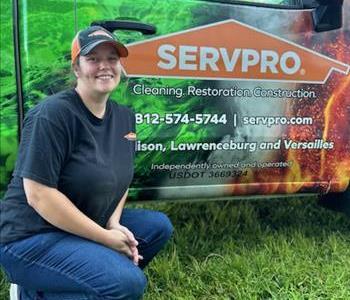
[98, 73]
[69, 188]
[97, 67]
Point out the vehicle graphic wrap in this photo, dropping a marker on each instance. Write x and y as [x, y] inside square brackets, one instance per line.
[272, 129]
[228, 50]
[8, 103]
[259, 104]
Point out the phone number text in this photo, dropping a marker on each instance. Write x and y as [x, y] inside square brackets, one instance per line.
[177, 118]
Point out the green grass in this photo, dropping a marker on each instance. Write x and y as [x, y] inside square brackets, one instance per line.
[265, 249]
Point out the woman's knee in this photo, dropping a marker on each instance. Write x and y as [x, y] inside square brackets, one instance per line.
[130, 286]
[165, 226]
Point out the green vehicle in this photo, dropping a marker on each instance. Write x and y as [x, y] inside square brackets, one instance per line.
[232, 98]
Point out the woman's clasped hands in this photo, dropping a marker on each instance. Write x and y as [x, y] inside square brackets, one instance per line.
[123, 240]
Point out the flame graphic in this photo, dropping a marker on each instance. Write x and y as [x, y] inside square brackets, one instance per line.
[313, 170]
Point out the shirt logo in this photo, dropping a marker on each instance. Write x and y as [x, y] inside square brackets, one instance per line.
[131, 136]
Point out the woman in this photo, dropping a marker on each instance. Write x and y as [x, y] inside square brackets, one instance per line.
[64, 232]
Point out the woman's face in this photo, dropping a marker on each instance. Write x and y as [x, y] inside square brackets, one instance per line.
[99, 71]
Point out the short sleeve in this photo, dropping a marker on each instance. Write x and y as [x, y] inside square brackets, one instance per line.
[133, 129]
[42, 151]
[133, 122]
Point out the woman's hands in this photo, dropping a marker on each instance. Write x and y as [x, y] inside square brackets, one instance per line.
[123, 240]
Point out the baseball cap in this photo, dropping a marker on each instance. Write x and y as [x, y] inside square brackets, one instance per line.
[87, 39]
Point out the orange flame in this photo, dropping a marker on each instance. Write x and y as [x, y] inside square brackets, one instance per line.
[313, 170]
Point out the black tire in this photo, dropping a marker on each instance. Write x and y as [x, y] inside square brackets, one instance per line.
[337, 201]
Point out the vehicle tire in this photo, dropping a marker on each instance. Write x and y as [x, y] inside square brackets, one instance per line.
[337, 201]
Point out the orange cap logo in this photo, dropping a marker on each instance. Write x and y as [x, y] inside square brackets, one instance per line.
[99, 32]
[228, 50]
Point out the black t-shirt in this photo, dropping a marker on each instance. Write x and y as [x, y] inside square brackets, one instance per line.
[65, 146]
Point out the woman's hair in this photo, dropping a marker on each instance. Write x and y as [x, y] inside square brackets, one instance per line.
[74, 78]
[77, 61]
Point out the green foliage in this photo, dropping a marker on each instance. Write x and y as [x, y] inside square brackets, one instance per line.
[8, 107]
[4, 286]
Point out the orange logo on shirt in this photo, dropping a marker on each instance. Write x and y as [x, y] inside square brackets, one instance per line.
[228, 50]
[131, 136]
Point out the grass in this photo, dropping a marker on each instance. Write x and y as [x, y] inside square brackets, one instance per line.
[265, 249]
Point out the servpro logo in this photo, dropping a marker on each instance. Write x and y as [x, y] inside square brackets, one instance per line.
[209, 57]
[228, 50]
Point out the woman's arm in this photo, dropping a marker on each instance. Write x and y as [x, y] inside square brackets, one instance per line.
[115, 217]
[58, 210]
[114, 223]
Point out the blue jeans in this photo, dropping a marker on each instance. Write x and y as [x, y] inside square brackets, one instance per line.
[62, 266]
